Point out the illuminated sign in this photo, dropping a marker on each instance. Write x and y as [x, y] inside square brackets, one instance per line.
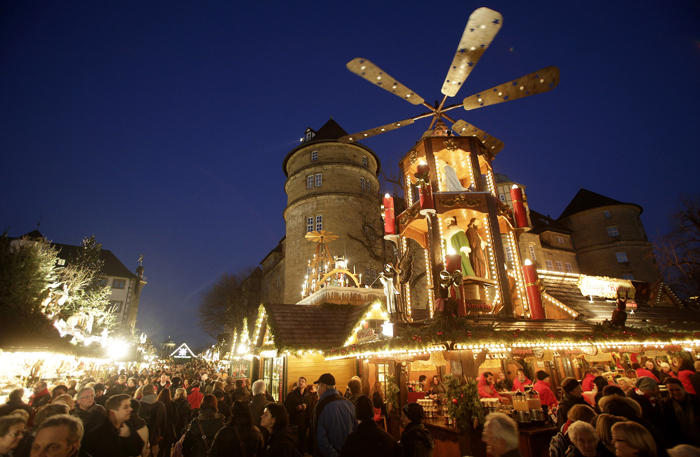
[183, 352]
[599, 286]
[365, 335]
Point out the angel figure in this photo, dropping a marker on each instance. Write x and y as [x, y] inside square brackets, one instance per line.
[396, 275]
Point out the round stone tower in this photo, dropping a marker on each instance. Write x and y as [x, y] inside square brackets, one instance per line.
[334, 187]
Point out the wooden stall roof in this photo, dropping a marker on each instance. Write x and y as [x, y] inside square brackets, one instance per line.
[656, 304]
[313, 326]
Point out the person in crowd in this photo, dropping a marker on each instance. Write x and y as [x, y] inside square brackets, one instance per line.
[137, 423]
[240, 438]
[647, 395]
[175, 383]
[131, 386]
[311, 438]
[416, 440]
[378, 399]
[612, 390]
[578, 413]
[421, 383]
[114, 437]
[503, 384]
[14, 402]
[64, 399]
[665, 372]
[348, 392]
[521, 381]
[119, 386]
[573, 395]
[584, 440]
[195, 397]
[188, 385]
[90, 413]
[11, 432]
[171, 419]
[437, 389]
[230, 386]
[48, 411]
[355, 387]
[153, 412]
[281, 441]
[542, 386]
[681, 412]
[259, 401]
[486, 387]
[684, 450]
[630, 409]
[685, 371]
[649, 365]
[58, 436]
[587, 381]
[600, 383]
[41, 395]
[163, 383]
[603, 427]
[625, 384]
[368, 440]
[695, 378]
[642, 372]
[221, 406]
[201, 431]
[184, 409]
[632, 440]
[240, 393]
[100, 397]
[297, 404]
[334, 417]
[72, 387]
[501, 436]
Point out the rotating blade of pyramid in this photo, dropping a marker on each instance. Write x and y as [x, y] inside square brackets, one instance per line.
[375, 131]
[537, 82]
[375, 75]
[493, 144]
[482, 27]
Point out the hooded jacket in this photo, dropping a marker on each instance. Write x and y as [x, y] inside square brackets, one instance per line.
[193, 444]
[416, 441]
[517, 385]
[195, 398]
[547, 397]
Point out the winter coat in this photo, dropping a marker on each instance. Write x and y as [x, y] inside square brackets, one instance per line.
[104, 441]
[153, 412]
[368, 440]
[170, 434]
[567, 402]
[663, 375]
[517, 385]
[195, 398]
[281, 443]
[559, 445]
[679, 428]
[643, 372]
[240, 393]
[298, 417]
[651, 413]
[416, 441]
[587, 382]
[12, 405]
[547, 397]
[40, 399]
[486, 390]
[684, 377]
[257, 407]
[193, 444]
[226, 443]
[183, 416]
[333, 422]
[695, 382]
[90, 417]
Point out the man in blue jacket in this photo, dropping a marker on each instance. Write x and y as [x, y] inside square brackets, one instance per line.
[334, 418]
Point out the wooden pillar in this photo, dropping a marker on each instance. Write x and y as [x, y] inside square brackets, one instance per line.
[434, 241]
[500, 259]
[474, 161]
[364, 376]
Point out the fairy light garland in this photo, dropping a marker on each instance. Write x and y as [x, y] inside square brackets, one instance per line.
[490, 180]
[518, 274]
[409, 193]
[561, 305]
[376, 306]
[492, 263]
[404, 246]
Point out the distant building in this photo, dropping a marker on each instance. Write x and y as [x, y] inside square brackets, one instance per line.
[167, 347]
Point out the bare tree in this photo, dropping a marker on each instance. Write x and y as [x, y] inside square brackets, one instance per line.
[232, 297]
[678, 252]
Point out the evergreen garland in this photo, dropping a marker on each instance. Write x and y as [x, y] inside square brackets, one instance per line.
[392, 394]
[463, 403]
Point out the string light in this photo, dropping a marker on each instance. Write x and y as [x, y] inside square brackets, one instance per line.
[404, 246]
[492, 264]
[518, 274]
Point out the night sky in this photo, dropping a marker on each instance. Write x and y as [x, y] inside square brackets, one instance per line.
[160, 127]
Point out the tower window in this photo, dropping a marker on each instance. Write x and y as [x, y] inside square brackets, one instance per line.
[550, 267]
[310, 181]
[314, 156]
[559, 267]
[503, 197]
[532, 253]
[319, 179]
[364, 161]
[568, 267]
[118, 284]
[606, 214]
[319, 223]
[621, 257]
[309, 224]
[612, 231]
[362, 183]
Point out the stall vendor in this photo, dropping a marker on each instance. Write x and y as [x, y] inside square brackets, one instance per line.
[521, 381]
[437, 388]
[542, 386]
[487, 389]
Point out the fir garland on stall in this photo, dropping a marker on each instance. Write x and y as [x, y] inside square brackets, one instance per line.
[463, 403]
[392, 394]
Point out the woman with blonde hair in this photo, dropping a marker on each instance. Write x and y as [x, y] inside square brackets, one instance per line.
[603, 427]
[632, 440]
[378, 399]
[625, 384]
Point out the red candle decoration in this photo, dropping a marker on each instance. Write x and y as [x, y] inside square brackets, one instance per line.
[516, 194]
[389, 220]
[423, 168]
[454, 263]
[533, 290]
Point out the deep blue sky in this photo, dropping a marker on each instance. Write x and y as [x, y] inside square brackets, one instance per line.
[160, 127]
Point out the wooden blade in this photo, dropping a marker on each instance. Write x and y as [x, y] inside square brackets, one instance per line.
[482, 27]
[493, 144]
[535, 83]
[372, 73]
[375, 131]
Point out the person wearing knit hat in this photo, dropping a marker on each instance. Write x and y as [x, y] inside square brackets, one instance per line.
[647, 395]
[542, 387]
[415, 439]
[573, 395]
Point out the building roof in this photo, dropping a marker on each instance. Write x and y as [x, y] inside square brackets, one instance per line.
[330, 132]
[112, 265]
[501, 178]
[586, 199]
[542, 223]
[313, 326]
[597, 309]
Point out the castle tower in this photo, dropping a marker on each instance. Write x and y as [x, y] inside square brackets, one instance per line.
[334, 187]
[610, 238]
